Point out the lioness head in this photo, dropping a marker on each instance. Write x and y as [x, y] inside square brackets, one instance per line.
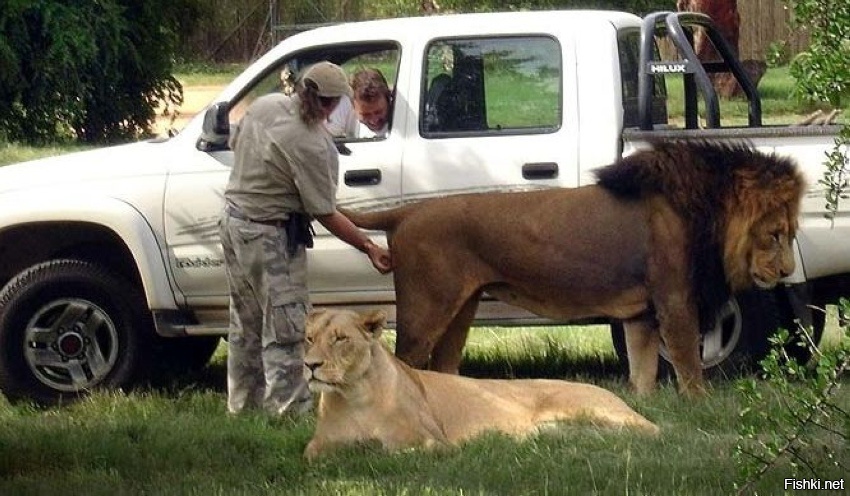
[760, 231]
[339, 347]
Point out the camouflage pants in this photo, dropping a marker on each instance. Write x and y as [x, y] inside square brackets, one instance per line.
[268, 309]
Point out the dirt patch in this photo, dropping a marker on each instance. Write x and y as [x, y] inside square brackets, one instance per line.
[195, 99]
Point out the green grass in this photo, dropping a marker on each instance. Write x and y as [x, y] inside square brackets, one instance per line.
[11, 153]
[207, 74]
[178, 440]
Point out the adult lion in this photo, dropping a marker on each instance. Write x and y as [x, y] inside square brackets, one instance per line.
[660, 243]
[367, 394]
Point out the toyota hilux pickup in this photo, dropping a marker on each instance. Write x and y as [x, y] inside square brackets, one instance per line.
[110, 262]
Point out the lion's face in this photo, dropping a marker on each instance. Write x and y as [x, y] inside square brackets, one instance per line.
[765, 254]
[339, 348]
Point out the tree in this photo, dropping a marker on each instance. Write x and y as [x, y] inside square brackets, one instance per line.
[822, 72]
[823, 75]
[91, 71]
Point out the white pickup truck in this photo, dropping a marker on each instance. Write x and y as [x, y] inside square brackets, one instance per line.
[110, 260]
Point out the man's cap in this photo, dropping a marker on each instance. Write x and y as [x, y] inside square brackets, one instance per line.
[329, 79]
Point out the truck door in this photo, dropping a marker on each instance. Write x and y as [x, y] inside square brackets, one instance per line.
[491, 117]
[369, 175]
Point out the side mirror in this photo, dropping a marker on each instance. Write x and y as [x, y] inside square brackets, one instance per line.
[341, 148]
[216, 128]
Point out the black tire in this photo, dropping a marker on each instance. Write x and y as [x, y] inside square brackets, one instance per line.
[737, 342]
[68, 327]
[801, 354]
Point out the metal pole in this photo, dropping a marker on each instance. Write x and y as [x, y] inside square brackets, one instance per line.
[273, 21]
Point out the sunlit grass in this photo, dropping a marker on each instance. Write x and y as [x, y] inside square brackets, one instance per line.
[207, 74]
[11, 153]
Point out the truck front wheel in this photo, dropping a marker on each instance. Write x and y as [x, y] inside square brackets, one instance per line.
[66, 328]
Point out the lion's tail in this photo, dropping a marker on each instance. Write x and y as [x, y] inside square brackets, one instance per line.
[383, 220]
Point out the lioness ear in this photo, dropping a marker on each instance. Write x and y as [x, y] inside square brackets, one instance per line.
[374, 322]
[315, 314]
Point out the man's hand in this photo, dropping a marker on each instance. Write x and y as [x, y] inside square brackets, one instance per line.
[339, 225]
[380, 257]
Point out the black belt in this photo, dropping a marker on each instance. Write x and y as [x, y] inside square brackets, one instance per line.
[236, 214]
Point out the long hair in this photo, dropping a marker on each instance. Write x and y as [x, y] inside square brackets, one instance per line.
[312, 105]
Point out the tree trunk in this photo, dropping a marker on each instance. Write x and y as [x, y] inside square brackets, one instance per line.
[724, 13]
[429, 7]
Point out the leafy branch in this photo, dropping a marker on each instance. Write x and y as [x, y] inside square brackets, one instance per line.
[836, 177]
[810, 428]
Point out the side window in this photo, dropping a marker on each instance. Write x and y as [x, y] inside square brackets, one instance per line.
[373, 77]
[491, 86]
[628, 45]
[383, 56]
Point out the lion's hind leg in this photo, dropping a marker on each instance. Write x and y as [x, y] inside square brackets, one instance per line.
[433, 323]
[579, 403]
[601, 419]
[448, 351]
[622, 416]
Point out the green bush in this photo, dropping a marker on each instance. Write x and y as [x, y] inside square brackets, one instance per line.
[823, 75]
[821, 71]
[91, 71]
[809, 436]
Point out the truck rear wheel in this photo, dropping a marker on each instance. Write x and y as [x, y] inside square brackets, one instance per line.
[66, 328]
[738, 340]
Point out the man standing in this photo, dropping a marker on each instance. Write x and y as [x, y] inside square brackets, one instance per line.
[284, 174]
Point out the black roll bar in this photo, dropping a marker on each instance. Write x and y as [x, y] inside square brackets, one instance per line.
[679, 28]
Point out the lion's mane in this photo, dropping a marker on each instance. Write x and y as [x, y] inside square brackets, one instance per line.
[720, 190]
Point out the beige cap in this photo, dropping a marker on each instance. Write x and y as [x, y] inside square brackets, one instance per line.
[330, 80]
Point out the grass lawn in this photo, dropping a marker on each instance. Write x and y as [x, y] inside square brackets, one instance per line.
[176, 439]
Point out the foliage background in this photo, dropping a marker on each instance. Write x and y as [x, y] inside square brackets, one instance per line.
[88, 70]
[236, 30]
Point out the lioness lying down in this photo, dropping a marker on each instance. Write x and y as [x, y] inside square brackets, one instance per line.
[367, 394]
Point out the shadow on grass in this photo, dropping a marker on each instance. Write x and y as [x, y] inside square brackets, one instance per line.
[544, 367]
[545, 358]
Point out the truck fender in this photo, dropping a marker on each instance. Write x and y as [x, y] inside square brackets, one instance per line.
[797, 291]
[799, 274]
[120, 217]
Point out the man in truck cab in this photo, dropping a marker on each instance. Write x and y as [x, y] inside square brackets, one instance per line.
[367, 114]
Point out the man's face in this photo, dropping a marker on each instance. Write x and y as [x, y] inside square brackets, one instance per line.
[372, 113]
